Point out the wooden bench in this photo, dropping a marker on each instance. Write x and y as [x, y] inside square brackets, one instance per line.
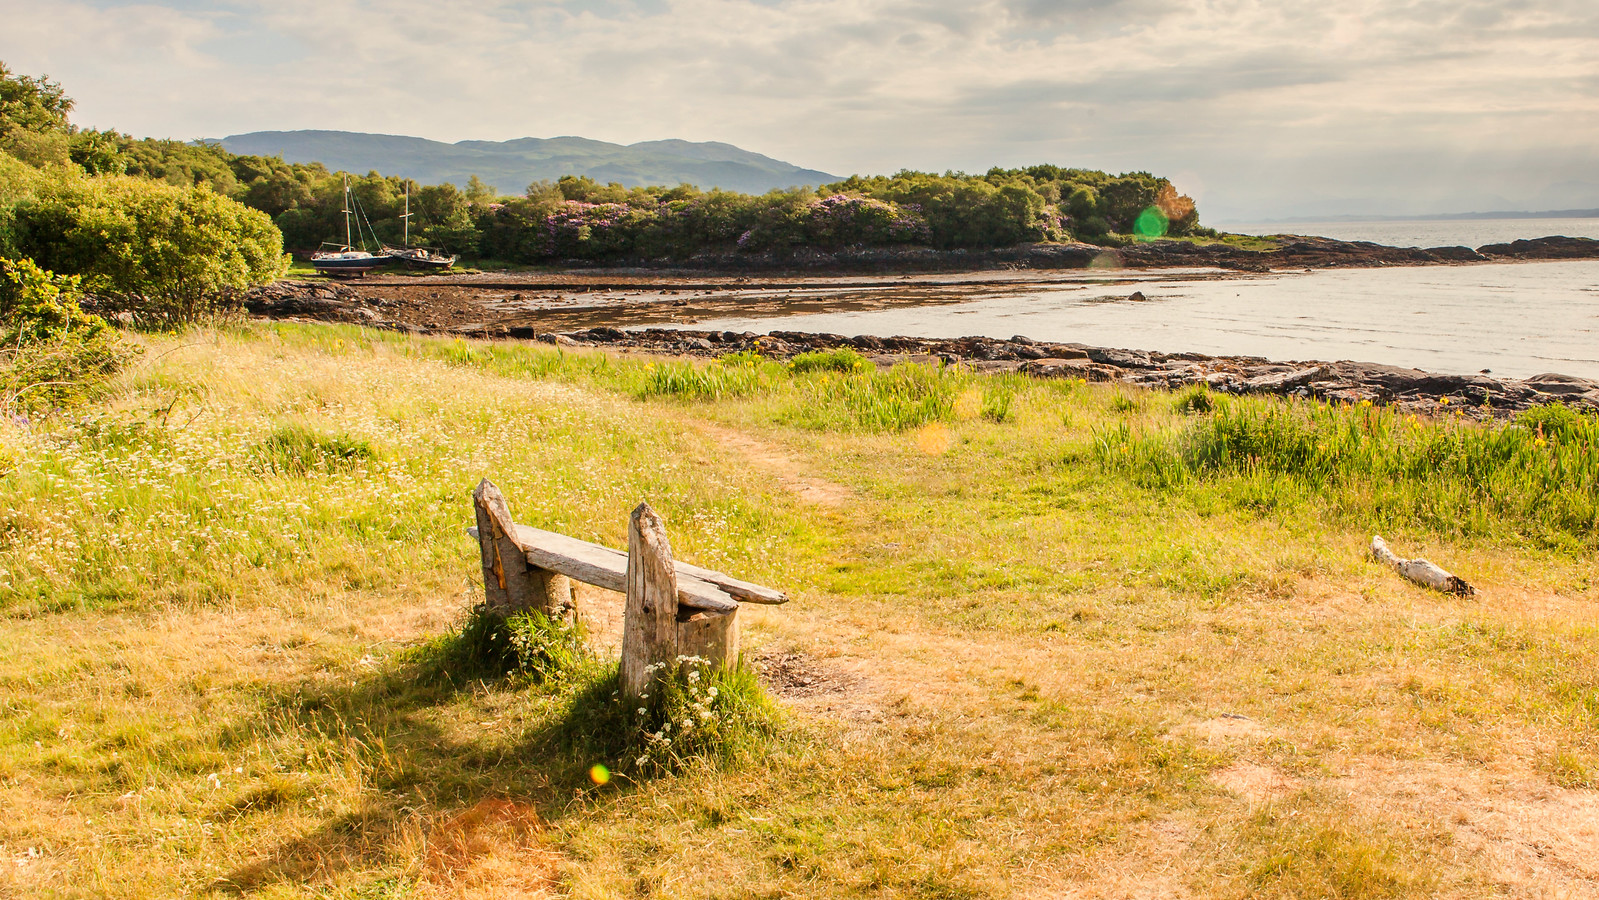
[673, 610]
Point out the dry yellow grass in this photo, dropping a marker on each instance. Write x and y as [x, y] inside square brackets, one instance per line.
[1011, 673]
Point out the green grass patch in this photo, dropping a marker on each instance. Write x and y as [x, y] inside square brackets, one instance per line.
[1535, 478]
[298, 450]
[735, 375]
[842, 360]
[694, 714]
[906, 396]
[490, 645]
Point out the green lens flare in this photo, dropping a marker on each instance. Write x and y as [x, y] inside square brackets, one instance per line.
[599, 775]
[1151, 224]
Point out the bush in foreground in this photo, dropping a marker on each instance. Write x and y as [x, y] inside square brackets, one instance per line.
[52, 354]
[166, 255]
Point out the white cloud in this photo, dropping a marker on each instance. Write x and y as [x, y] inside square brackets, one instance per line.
[1273, 104]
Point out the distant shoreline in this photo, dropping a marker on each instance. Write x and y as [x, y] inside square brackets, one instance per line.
[1432, 217]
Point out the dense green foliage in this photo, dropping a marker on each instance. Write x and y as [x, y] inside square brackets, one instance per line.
[52, 354]
[577, 218]
[146, 226]
[164, 254]
[33, 118]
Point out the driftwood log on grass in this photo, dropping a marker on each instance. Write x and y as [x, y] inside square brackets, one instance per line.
[1420, 570]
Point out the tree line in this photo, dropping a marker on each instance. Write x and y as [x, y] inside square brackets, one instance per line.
[578, 218]
[164, 232]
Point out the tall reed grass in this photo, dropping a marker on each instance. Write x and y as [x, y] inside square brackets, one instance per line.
[1534, 478]
[903, 397]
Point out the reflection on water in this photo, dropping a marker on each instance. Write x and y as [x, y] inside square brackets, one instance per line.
[1516, 319]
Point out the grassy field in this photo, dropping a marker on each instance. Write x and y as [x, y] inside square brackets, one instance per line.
[1047, 639]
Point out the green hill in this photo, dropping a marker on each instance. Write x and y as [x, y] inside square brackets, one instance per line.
[512, 165]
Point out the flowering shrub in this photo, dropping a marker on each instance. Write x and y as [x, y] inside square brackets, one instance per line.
[842, 219]
[591, 230]
[692, 711]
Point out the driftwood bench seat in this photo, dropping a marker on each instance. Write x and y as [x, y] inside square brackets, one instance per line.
[604, 567]
[674, 609]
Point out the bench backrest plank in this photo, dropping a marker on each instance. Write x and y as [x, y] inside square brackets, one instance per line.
[606, 568]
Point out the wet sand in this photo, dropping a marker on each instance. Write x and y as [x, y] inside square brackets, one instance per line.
[525, 305]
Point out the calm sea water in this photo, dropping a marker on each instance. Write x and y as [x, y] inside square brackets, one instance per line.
[1514, 319]
[1431, 232]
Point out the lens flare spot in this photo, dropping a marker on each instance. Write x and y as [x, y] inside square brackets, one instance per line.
[599, 774]
[932, 438]
[1151, 224]
[1106, 260]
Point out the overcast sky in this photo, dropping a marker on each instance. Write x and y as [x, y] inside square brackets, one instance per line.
[1258, 108]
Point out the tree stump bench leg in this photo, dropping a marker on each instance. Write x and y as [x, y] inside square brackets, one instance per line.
[656, 630]
[649, 622]
[711, 636]
[510, 584]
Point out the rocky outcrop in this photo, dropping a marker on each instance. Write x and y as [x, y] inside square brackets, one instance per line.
[324, 301]
[1544, 248]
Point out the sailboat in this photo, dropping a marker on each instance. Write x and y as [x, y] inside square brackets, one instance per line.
[346, 260]
[416, 257]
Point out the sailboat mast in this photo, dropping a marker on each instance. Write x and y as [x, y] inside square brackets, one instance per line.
[408, 214]
[347, 211]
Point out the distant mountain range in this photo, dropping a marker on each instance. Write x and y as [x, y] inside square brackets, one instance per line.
[512, 165]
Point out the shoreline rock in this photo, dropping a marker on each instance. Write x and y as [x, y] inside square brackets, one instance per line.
[1293, 252]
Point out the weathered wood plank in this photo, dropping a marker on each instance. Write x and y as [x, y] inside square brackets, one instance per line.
[495, 594]
[743, 590]
[649, 624]
[603, 567]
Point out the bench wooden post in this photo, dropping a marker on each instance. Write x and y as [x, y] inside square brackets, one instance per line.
[649, 624]
[510, 583]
